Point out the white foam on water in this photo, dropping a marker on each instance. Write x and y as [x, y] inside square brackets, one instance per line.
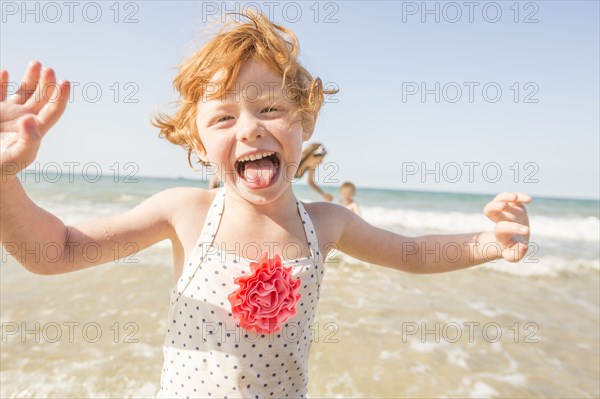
[559, 228]
[496, 347]
[386, 355]
[424, 346]
[147, 351]
[473, 385]
[555, 362]
[125, 198]
[482, 390]
[342, 381]
[458, 357]
[56, 382]
[485, 309]
[420, 368]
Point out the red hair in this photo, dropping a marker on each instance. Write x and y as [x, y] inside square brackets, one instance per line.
[236, 43]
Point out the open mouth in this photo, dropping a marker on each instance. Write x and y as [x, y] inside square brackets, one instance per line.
[258, 170]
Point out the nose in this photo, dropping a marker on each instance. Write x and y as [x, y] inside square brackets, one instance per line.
[250, 129]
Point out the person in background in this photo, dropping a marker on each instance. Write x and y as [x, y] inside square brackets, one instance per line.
[214, 182]
[347, 192]
[311, 157]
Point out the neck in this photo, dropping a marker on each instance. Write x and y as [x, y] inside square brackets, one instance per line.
[284, 205]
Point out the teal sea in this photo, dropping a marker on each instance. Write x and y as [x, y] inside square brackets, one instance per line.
[498, 330]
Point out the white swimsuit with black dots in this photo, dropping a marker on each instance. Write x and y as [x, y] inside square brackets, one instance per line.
[207, 354]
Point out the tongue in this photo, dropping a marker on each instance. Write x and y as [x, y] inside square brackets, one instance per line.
[260, 172]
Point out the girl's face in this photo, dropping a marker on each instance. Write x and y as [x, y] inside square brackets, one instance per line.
[249, 136]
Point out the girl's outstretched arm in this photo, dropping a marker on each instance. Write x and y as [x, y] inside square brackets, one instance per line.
[40, 241]
[441, 253]
[43, 244]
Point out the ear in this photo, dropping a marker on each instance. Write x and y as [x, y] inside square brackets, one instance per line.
[200, 153]
[308, 127]
[306, 135]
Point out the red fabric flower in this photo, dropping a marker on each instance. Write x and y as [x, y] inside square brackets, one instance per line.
[266, 298]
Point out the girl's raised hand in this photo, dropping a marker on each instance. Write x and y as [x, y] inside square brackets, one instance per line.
[512, 224]
[27, 115]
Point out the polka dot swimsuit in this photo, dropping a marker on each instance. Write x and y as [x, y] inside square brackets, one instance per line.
[207, 354]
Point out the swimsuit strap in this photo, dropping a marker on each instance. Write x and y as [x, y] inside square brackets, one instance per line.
[204, 243]
[311, 236]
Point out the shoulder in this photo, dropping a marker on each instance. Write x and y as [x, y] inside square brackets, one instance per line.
[178, 206]
[329, 219]
[183, 194]
[324, 209]
[174, 203]
[172, 198]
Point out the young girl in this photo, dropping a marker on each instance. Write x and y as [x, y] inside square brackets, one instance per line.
[249, 257]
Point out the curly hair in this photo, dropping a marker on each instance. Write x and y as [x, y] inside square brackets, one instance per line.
[233, 45]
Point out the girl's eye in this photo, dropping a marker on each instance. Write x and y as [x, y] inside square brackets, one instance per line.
[270, 109]
[224, 119]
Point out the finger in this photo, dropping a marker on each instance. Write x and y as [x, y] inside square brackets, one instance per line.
[3, 84]
[505, 232]
[30, 80]
[515, 253]
[493, 209]
[513, 197]
[524, 198]
[499, 210]
[25, 148]
[44, 91]
[52, 110]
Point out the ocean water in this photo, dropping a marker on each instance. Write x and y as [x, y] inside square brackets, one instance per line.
[498, 330]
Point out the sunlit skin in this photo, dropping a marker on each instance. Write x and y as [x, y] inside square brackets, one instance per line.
[259, 216]
[238, 124]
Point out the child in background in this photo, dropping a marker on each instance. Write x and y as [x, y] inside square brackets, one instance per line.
[240, 322]
[347, 192]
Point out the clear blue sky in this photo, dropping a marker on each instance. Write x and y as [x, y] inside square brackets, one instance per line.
[375, 53]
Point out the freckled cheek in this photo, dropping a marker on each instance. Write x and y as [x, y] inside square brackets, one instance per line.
[285, 132]
[217, 149]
